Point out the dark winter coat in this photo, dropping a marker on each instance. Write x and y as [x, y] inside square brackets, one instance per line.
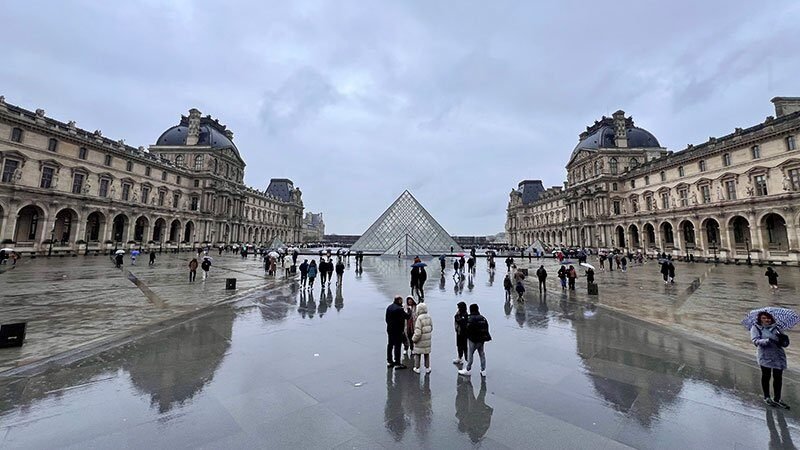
[541, 274]
[507, 284]
[304, 268]
[340, 268]
[478, 328]
[396, 318]
[460, 321]
[772, 276]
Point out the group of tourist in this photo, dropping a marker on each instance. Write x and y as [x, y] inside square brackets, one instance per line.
[410, 327]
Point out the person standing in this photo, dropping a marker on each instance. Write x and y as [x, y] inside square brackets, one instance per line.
[411, 309]
[192, 270]
[312, 273]
[624, 262]
[477, 336]
[772, 277]
[520, 290]
[455, 268]
[396, 318]
[671, 270]
[152, 258]
[323, 270]
[414, 279]
[339, 272]
[329, 270]
[118, 261]
[562, 276]
[460, 322]
[507, 285]
[423, 332]
[572, 274]
[421, 278]
[462, 263]
[206, 266]
[665, 270]
[541, 274]
[509, 262]
[287, 265]
[771, 357]
[471, 265]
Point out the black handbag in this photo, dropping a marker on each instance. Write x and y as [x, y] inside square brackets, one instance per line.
[783, 340]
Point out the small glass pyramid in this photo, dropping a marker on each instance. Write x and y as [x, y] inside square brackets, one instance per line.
[408, 228]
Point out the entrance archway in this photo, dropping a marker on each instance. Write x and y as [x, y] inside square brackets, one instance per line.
[175, 231]
[64, 226]
[667, 236]
[774, 232]
[620, 237]
[188, 231]
[119, 229]
[95, 225]
[741, 231]
[711, 228]
[158, 230]
[140, 228]
[633, 231]
[30, 222]
[649, 235]
[687, 231]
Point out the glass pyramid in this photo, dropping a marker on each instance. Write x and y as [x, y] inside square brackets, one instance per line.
[408, 228]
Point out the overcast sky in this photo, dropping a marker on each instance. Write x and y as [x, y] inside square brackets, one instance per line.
[356, 100]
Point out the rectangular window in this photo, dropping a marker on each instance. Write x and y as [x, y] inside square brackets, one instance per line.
[175, 199]
[794, 179]
[647, 180]
[145, 193]
[755, 151]
[760, 182]
[103, 190]
[126, 191]
[9, 169]
[147, 171]
[633, 184]
[705, 192]
[648, 203]
[161, 195]
[16, 134]
[681, 171]
[52, 145]
[47, 177]
[726, 159]
[664, 200]
[701, 165]
[107, 160]
[663, 176]
[129, 166]
[163, 175]
[77, 183]
[197, 183]
[82, 153]
[683, 194]
[730, 189]
[790, 144]
[178, 179]
[195, 202]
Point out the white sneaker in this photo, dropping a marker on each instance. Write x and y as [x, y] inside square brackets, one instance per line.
[458, 361]
[415, 369]
[428, 370]
[483, 373]
[464, 372]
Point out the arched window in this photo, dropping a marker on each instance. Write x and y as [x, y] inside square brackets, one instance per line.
[612, 165]
[198, 162]
[179, 160]
[634, 163]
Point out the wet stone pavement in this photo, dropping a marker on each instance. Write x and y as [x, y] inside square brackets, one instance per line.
[293, 369]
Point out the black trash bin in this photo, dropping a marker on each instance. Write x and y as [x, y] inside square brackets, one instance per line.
[230, 284]
[12, 334]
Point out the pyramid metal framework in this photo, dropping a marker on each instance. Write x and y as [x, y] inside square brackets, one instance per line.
[408, 228]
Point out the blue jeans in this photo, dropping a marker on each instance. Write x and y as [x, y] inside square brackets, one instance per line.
[471, 352]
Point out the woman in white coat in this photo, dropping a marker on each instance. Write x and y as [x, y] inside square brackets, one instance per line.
[423, 331]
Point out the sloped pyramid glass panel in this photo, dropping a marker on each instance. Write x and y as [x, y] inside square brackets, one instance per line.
[408, 228]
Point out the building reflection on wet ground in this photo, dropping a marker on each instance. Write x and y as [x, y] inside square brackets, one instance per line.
[306, 369]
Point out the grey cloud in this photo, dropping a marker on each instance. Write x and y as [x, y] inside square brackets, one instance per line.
[303, 95]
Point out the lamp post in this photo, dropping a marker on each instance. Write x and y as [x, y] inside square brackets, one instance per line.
[52, 237]
[714, 247]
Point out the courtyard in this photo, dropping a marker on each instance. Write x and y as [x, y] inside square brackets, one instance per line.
[642, 365]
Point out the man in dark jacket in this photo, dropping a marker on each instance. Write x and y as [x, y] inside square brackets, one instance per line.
[541, 274]
[304, 273]
[477, 335]
[421, 278]
[339, 272]
[396, 317]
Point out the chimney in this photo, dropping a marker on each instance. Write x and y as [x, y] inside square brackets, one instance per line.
[620, 130]
[786, 105]
[194, 127]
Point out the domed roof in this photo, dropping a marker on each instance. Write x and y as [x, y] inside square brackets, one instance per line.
[211, 134]
[601, 135]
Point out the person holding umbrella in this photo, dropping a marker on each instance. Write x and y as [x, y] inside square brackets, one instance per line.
[766, 327]
[118, 258]
[206, 266]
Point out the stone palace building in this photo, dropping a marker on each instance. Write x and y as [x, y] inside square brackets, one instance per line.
[67, 190]
[733, 197]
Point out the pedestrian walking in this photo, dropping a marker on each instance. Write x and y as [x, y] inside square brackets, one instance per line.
[329, 269]
[507, 285]
[460, 322]
[562, 276]
[152, 258]
[192, 270]
[471, 265]
[411, 309]
[303, 273]
[423, 332]
[396, 317]
[772, 277]
[414, 279]
[455, 268]
[624, 262]
[541, 274]
[421, 278]
[206, 266]
[520, 291]
[671, 270]
[118, 261]
[312, 273]
[339, 272]
[509, 262]
[477, 336]
[323, 271]
[287, 265]
[572, 274]
[462, 264]
[771, 357]
[442, 261]
[665, 270]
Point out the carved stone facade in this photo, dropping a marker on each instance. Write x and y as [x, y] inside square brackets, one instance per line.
[313, 227]
[67, 190]
[730, 198]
